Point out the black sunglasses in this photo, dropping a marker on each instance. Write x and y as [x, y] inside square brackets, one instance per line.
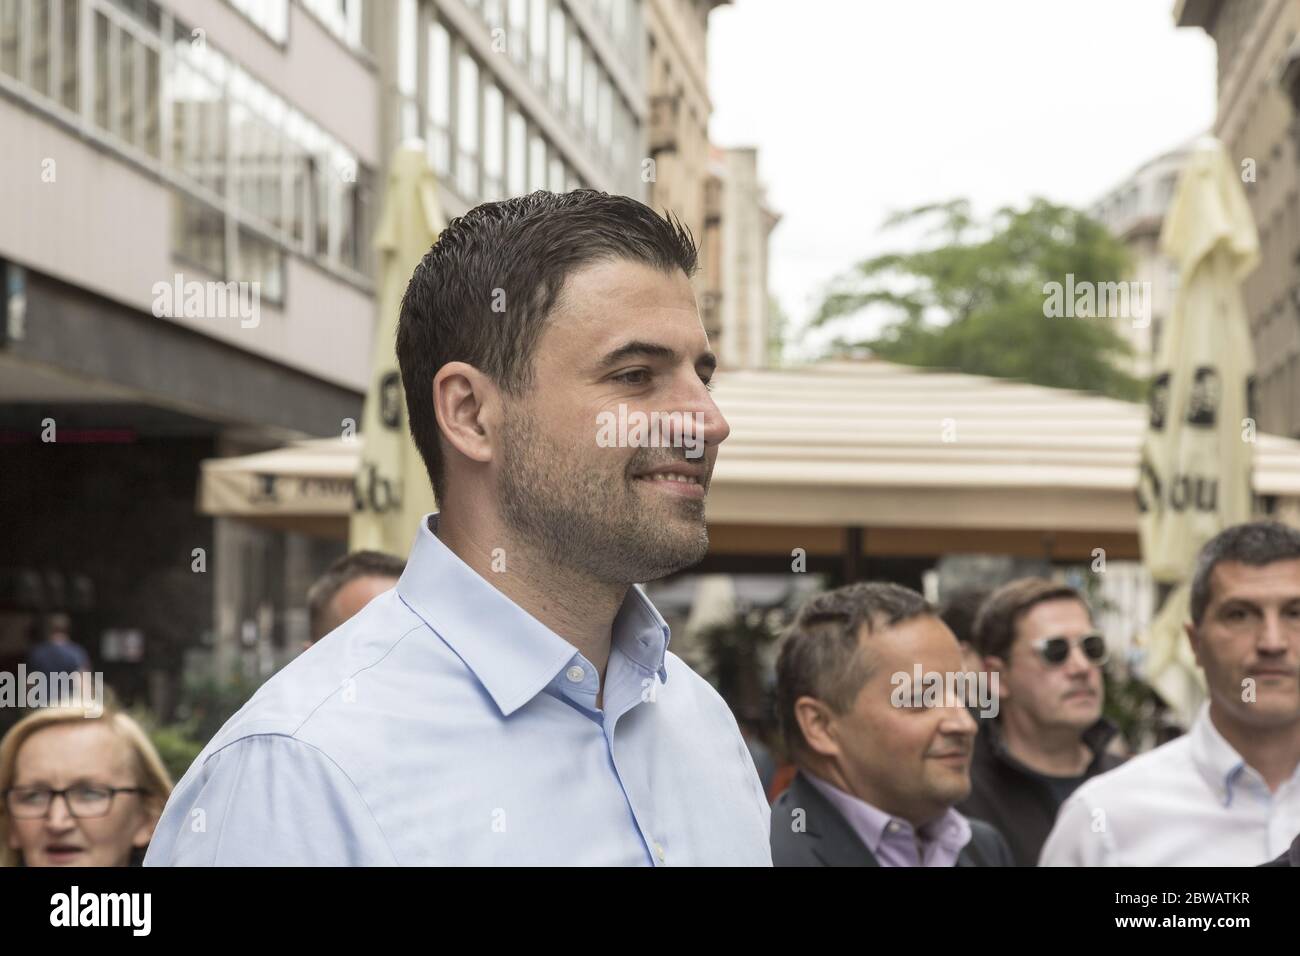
[1054, 650]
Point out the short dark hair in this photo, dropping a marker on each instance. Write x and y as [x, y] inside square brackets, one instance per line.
[959, 610]
[357, 564]
[1253, 543]
[819, 655]
[995, 624]
[518, 251]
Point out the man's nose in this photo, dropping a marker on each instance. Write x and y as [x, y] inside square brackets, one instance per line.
[958, 720]
[1272, 636]
[702, 420]
[1078, 662]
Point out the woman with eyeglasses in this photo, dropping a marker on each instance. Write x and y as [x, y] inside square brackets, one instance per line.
[80, 788]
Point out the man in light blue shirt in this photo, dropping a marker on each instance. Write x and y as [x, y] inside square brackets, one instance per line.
[512, 701]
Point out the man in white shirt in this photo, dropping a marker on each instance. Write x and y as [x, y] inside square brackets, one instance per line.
[1228, 792]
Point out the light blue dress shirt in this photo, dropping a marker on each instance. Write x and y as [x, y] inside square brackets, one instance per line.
[445, 725]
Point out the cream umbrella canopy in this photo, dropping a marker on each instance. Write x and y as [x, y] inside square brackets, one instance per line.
[392, 487]
[1197, 455]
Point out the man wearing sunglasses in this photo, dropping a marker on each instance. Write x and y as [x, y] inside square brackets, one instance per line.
[1226, 793]
[1038, 638]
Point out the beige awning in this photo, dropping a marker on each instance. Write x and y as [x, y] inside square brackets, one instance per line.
[919, 458]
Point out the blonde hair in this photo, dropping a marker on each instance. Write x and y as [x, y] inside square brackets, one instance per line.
[151, 775]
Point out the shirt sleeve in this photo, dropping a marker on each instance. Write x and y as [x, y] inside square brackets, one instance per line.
[1080, 837]
[268, 800]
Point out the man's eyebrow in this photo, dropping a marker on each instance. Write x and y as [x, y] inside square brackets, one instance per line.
[652, 350]
[1242, 602]
[636, 348]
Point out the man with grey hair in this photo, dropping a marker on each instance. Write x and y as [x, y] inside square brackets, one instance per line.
[1227, 793]
[879, 771]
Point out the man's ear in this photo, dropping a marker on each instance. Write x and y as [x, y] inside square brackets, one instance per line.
[817, 721]
[996, 665]
[467, 406]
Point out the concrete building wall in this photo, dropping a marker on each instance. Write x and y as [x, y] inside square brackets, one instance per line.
[746, 226]
[677, 86]
[1256, 123]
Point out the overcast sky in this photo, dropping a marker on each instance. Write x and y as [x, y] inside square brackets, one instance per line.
[862, 107]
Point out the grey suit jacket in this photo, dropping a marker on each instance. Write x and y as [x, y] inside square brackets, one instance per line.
[826, 839]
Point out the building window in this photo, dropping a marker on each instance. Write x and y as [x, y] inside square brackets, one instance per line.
[343, 18]
[555, 54]
[537, 42]
[198, 233]
[127, 76]
[467, 158]
[256, 152]
[10, 33]
[69, 50]
[408, 121]
[590, 97]
[575, 77]
[260, 260]
[355, 202]
[517, 153]
[517, 37]
[196, 83]
[269, 16]
[605, 122]
[536, 162]
[103, 39]
[439, 96]
[493, 142]
[39, 63]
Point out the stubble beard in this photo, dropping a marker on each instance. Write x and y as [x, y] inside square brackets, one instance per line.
[588, 520]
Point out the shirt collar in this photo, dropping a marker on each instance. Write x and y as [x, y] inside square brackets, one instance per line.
[866, 821]
[1215, 759]
[951, 831]
[511, 653]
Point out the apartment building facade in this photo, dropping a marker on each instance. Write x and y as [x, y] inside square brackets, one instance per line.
[1258, 88]
[237, 148]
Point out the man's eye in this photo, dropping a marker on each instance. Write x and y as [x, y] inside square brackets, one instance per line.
[626, 377]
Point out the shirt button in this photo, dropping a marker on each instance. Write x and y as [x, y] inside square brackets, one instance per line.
[893, 827]
[575, 674]
[659, 852]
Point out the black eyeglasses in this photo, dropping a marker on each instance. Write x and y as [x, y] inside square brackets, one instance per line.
[1055, 650]
[84, 802]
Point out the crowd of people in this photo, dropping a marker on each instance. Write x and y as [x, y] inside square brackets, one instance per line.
[506, 695]
[874, 779]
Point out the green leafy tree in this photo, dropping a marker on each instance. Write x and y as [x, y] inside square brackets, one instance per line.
[974, 299]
